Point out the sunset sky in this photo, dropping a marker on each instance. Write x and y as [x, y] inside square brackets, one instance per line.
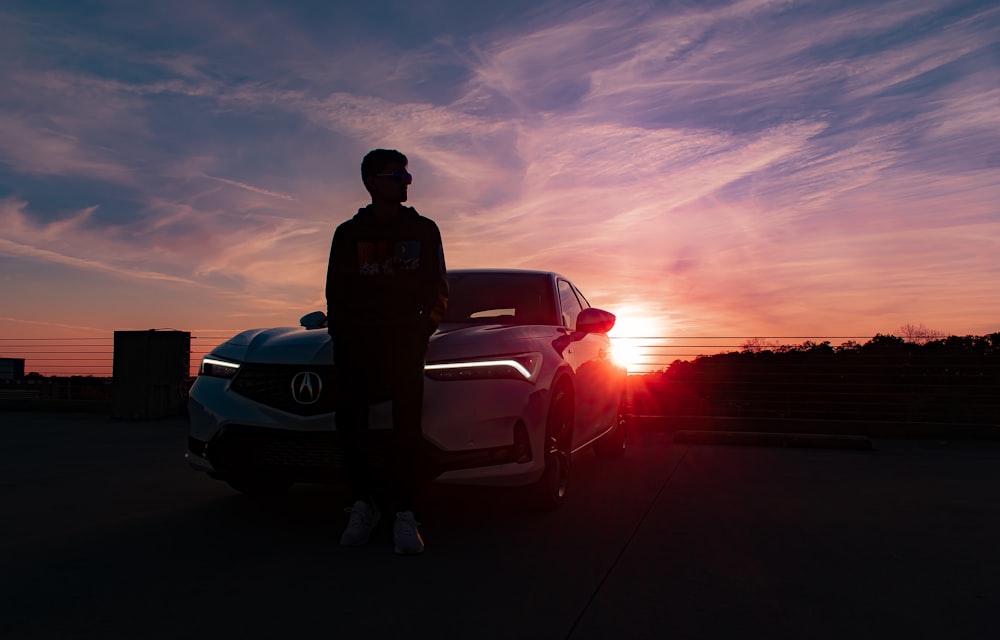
[747, 168]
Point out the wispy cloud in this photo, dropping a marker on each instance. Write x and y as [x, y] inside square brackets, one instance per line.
[253, 261]
[250, 187]
[41, 150]
[62, 327]
[13, 219]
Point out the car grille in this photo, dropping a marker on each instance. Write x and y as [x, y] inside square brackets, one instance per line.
[275, 385]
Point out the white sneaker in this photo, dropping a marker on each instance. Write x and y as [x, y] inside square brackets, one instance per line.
[406, 536]
[364, 517]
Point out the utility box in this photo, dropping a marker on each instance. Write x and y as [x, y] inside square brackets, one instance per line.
[11, 368]
[151, 371]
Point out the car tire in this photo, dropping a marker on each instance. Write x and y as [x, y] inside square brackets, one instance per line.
[258, 485]
[614, 444]
[550, 491]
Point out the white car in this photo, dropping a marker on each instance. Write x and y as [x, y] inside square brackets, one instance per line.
[519, 379]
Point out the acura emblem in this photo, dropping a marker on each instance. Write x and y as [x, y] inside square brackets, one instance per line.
[306, 387]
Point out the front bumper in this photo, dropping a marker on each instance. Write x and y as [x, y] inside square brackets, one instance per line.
[315, 456]
[471, 435]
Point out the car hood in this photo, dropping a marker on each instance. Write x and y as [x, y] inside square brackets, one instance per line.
[297, 345]
[463, 341]
[284, 345]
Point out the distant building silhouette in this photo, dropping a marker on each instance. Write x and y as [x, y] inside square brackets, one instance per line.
[11, 368]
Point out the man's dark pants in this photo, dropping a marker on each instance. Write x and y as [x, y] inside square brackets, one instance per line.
[372, 368]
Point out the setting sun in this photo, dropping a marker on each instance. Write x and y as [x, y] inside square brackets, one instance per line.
[626, 353]
[632, 327]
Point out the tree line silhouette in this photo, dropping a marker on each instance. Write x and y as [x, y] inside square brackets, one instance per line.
[953, 380]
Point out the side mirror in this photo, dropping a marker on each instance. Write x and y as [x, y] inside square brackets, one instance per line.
[314, 320]
[595, 321]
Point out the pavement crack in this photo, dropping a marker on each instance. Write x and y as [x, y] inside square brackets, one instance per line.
[628, 542]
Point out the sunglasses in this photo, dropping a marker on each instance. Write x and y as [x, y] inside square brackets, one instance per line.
[399, 175]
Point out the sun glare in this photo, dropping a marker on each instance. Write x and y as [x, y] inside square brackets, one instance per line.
[626, 354]
[631, 327]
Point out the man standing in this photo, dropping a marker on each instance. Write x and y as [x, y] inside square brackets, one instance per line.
[386, 292]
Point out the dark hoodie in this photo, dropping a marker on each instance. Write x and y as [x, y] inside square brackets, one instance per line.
[386, 276]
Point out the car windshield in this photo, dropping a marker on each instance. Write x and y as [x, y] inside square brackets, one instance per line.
[506, 298]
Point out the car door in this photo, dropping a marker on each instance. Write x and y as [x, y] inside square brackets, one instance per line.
[609, 379]
[584, 355]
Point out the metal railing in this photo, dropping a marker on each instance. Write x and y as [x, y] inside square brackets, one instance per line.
[92, 357]
[784, 378]
[643, 354]
[648, 354]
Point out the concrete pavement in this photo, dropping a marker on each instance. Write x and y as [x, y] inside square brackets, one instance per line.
[107, 534]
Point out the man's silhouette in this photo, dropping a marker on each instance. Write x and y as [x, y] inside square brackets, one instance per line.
[386, 292]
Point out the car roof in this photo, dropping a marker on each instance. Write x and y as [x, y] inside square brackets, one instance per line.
[526, 272]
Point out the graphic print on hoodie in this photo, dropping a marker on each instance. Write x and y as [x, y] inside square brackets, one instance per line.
[387, 258]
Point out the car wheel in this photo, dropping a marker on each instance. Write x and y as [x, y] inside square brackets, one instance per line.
[550, 491]
[258, 485]
[613, 445]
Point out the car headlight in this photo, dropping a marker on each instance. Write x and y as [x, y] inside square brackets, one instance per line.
[522, 366]
[217, 367]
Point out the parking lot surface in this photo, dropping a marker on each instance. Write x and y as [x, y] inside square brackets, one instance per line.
[108, 534]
